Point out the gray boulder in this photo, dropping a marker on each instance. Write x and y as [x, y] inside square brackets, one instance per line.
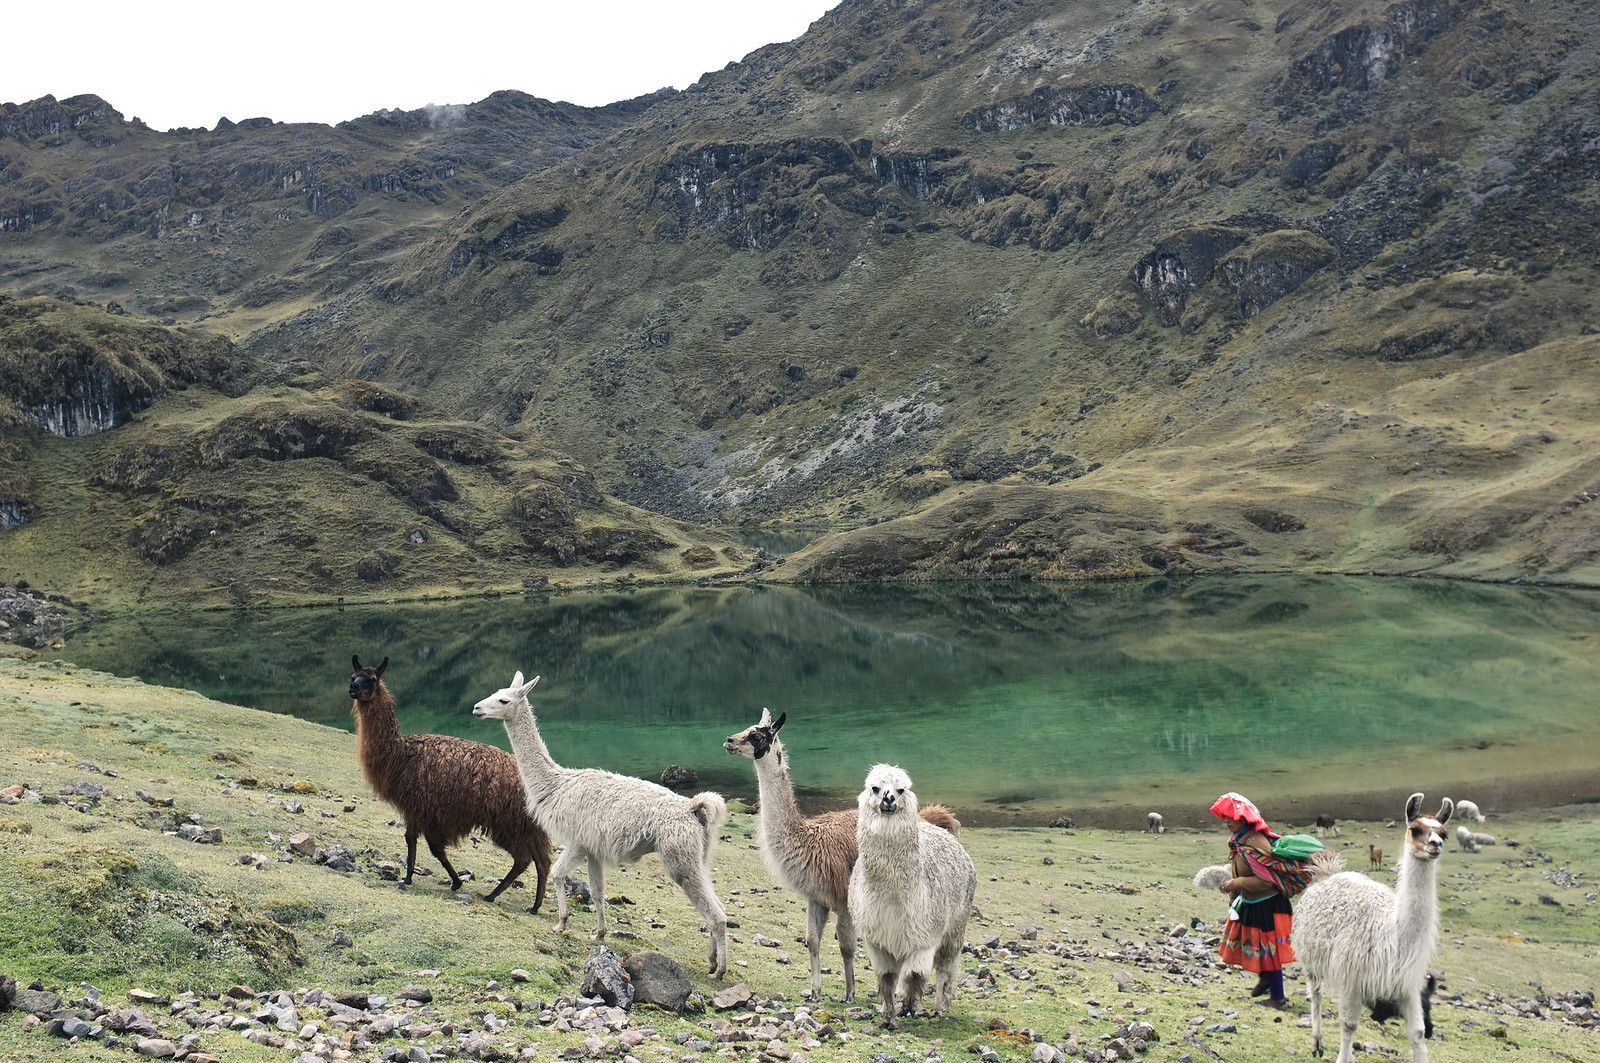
[604, 977]
[658, 979]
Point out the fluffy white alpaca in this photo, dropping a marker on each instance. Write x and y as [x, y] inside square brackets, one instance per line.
[1468, 810]
[910, 893]
[608, 819]
[1360, 942]
[1211, 878]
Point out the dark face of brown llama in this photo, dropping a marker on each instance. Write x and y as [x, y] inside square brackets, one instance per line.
[364, 683]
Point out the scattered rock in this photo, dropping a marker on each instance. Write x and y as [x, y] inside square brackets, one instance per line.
[732, 997]
[604, 977]
[657, 979]
[37, 1001]
[677, 777]
[303, 844]
[155, 1047]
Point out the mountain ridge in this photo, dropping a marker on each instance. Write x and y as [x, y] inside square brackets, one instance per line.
[1003, 248]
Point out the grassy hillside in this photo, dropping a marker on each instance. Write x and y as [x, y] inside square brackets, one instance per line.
[1077, 934]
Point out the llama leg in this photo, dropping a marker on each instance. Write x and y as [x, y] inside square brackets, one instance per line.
[911, 988]
[888, 973]
[597, 892]
[816, 921]
[846, 932]
[438, 854]
[695, 881]
[411, 854]
[569, 857]
[517, 868]
[1349, 1017]
[1411, 1013]
[1316, 1015]
[945, 964]
[541, 862]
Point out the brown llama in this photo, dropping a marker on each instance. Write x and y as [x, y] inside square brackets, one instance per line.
[444, 787]
[1374, 858]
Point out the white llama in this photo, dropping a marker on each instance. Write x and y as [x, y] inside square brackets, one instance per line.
[1154, 823]
[1360, 942]
[910, 893]
[608, 819]
[811, 855]
[1468, 810]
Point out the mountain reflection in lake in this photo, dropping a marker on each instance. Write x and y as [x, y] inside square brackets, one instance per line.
[1013, 702]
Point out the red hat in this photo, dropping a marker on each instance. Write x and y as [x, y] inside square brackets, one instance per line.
[1236, 806]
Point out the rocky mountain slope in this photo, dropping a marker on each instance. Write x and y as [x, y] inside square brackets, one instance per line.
[982, 287]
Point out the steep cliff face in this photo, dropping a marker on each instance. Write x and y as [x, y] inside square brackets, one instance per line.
[74, 369]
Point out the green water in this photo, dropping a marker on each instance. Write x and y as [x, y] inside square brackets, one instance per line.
[1012, 702]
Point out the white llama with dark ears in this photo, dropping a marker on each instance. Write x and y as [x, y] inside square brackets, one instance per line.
[1361, 942]
[608, 819]
[811, 855]
[910, 893]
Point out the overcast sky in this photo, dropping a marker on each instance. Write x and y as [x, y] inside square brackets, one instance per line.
[191, 62]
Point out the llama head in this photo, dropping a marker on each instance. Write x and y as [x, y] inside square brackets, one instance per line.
[758, 739]
[887, 796]
[364, 681]
[499, 704]
[1425, 835]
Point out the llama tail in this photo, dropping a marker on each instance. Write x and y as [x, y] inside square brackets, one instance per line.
[1325, 864]
[711, 810]
[941, 816]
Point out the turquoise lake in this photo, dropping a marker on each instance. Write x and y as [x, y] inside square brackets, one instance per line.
[1012, 702]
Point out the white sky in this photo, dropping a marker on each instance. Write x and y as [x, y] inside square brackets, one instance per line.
[190, 62]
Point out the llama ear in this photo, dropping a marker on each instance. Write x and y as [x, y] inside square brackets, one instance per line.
[382, 666]
[1445, 811]
[778, 724]
[516, 680]
[766, 717]
[355, 663]
[1413, 807]
[529, 685]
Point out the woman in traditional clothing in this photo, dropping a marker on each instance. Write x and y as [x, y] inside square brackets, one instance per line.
[1259, 917]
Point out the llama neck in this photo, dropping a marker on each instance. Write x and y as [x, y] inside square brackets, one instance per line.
[538, 768]
[1416, 908]
[377, 736]
[779, 813]
[888, 850]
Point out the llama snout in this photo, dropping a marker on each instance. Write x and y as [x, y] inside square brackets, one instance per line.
[888, 804]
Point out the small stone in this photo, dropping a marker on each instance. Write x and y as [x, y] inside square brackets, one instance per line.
[303, 844]
[155, 1047]
[342, 938]
[732, 997]
[520, 975]
[658, 979]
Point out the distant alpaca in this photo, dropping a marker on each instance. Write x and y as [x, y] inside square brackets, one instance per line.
[1374, 858]
[1471, 841]
[1210, 879]
[911, 892]
[811, 855]
[607, 819]
[1361, 942]
[444, 787]
[1326, 822]
[1468, 810]
[1154, 823]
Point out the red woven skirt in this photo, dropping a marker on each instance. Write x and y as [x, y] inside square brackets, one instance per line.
[1259, 939]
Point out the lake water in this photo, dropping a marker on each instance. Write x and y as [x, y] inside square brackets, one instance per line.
[1012, 702]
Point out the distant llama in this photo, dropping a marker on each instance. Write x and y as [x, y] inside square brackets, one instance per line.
[1361, 942]
[811, 855]
[607, 819]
